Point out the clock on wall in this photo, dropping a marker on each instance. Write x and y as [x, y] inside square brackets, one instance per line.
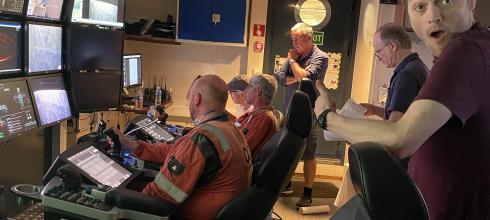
[315, 13]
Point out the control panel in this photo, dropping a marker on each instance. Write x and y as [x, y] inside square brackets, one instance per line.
[154, 130]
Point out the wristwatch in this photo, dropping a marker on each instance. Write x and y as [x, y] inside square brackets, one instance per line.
[322, 119]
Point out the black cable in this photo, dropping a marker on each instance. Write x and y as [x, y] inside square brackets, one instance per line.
[277, 215]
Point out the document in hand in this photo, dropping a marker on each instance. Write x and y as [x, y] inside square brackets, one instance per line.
[350, 109]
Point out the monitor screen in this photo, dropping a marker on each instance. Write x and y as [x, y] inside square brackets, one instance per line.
[92, 48]
[100, 12]
[13, 6]
[16, 112]
[47, 9]
[96, 91]
[132, 70]
[100, 167]
[51, 99]
[44, 48]
[11, 47]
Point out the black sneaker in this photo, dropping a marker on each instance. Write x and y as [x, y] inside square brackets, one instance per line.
[287, 191]
[305, 201]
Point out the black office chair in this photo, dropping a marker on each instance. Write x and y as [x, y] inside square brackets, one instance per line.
[385, 191]
[306, 86]
[274, 166]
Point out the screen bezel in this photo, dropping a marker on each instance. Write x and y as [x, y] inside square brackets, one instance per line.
[140, 73]
[21, 57]
[32, 104]
[36, 18]
[26, 43]
[119, 25]
[38, 117]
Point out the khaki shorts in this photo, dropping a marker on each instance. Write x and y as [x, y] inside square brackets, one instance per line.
[310, 149]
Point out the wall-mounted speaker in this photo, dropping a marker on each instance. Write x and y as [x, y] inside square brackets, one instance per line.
[393, 2]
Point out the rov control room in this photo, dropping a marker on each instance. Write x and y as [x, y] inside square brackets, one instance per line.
[241, 109]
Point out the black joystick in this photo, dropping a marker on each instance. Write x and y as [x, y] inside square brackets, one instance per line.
[116, 152]
[162, 114]
[72, 179]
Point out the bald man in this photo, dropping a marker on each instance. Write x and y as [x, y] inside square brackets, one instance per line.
[208, 166]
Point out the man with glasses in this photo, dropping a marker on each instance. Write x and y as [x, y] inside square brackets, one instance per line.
[306, 60]
[392, 46]
[447, 127]
[260, 122]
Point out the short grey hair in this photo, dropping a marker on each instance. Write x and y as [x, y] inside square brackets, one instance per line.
[267, 84]
[392, 32]
[306, 30]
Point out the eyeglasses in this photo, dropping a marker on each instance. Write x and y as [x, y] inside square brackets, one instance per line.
[378, 51]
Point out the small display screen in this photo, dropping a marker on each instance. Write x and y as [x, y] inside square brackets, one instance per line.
[10, 47]
[16, 111]
[44, 48]
[100, 167]
[101, 12]
[14, 6]
[51, 99]
[132, 70]
[47, 9]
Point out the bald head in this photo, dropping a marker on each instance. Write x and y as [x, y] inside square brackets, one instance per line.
[213, 92]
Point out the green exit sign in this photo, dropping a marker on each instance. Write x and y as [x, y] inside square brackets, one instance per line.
[318, 37]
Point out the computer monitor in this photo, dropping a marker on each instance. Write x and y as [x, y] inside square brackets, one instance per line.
[95, 91]
[50, 99]
[44, 48]
[45, 9]
[100, 167]
[93, 49]
[16, 111]
[12, 6]
[132, 70]
[11, 47]
[99, 12]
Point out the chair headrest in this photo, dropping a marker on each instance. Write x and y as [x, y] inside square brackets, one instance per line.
[298, 108]
[384, 186]
[306, 86]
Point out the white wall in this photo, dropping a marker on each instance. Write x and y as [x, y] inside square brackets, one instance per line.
[180, 64]
[364, 51]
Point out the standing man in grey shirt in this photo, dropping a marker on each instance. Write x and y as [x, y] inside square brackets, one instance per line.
[304, 61]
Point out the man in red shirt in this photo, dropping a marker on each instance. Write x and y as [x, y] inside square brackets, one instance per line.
[447, 127]
[260, 122]
[208, 166]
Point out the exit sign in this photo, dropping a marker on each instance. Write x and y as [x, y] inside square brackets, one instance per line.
[318, 37]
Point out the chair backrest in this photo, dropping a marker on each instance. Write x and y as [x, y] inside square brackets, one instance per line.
[306, 86]
[275, 164]
[383, 185]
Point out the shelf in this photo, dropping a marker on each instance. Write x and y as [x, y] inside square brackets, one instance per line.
[147, 38]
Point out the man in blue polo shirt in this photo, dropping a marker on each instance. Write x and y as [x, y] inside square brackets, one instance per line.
[392, 47]
[304, 61]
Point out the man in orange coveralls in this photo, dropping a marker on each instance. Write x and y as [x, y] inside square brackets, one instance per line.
[260, 122]
[208, 166]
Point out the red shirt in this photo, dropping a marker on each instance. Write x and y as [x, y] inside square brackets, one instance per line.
[452, 168]
[186, 178]
[258, 127]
